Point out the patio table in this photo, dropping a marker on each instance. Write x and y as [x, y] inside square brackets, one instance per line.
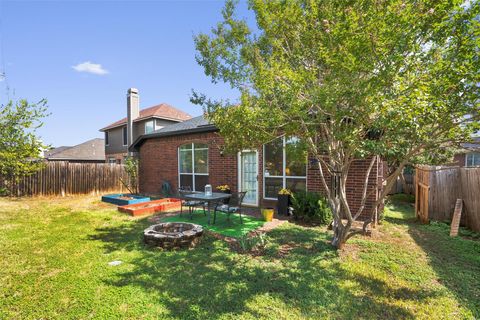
[214, 197]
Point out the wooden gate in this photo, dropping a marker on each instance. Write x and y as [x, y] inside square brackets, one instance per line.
[422, 190]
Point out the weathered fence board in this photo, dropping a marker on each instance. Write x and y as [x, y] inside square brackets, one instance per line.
[457, 214]
[422, 189]
[407, 188]
[445, 186]
[63, 178]
[444, 192]
[471, 197]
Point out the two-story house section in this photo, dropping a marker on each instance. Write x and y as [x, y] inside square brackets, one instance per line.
[122, 133]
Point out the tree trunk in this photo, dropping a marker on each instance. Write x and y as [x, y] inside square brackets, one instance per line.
[341, 230]
[340, 233]
[405, 189]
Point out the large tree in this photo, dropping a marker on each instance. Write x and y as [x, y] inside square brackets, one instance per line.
[20, 146]
[354, 79]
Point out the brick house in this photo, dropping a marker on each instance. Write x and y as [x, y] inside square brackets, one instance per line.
[469, 155]
[120, 134]
[190, 154]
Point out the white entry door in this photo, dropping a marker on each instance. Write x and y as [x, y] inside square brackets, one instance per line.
[248, 173]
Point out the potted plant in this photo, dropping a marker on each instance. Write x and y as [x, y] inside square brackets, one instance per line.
[283, 201]
[225, 189]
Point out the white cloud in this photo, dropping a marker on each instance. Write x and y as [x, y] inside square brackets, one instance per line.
[90, 67]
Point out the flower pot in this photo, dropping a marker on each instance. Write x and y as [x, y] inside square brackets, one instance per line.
[283, 203]
[268, 214]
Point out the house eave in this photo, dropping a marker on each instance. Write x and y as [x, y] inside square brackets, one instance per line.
[140, 140]
[138, 120]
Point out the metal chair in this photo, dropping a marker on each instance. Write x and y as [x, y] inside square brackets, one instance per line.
[191, 204]
[234, 206]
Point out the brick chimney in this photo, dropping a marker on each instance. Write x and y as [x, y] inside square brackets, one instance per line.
[133, 112]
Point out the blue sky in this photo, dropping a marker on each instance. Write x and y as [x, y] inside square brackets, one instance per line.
[147, 45]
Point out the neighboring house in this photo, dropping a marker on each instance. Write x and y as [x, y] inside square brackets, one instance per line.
[120, 134]
[50, 152]
[189, 154]
[470, 155]
[92, 151]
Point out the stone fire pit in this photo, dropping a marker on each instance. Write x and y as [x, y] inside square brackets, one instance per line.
[170, 235]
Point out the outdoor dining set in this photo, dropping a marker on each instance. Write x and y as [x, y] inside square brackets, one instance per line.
[229, 203]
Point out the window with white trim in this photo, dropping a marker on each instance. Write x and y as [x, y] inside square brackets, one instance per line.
[472, 159]
[193, 166]
[112, 160]
[149, 126]
[124, 136]
[284, 166]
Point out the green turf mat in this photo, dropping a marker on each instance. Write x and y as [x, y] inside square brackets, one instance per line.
[232, 228]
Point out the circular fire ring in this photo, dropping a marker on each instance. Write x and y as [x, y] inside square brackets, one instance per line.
[170, 235]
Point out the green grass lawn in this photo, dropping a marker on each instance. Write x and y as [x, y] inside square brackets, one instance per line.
[54, 256]
[227, 227]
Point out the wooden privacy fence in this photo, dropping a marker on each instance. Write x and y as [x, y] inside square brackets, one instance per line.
[407, 188]
[63, 178]
[438, 188]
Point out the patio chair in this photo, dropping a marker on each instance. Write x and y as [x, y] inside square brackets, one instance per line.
[234, 206]
[191, 204]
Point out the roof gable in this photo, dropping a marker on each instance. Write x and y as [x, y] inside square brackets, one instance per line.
[161, 111]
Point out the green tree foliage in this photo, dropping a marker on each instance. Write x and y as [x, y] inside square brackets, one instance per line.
[20, 147]
[131, 167]
[394, 80]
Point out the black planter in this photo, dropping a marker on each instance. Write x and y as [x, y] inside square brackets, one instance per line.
[283, 203]
[225, 201]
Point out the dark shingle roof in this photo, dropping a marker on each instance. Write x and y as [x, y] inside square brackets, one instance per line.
[53, 151]
[474, 145]
[89, 150]
[194, 125]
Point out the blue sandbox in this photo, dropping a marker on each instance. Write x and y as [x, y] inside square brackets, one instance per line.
[115, 199]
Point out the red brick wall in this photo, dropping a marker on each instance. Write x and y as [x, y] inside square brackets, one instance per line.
[159, 163]
[459, 159]
[355, 183]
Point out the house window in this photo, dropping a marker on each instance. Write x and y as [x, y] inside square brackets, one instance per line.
[124, 135]
[193, 166]
[106, 139]
[149, 126]
[472, 159]
[285, 166]
[158, 125]
[112, 160]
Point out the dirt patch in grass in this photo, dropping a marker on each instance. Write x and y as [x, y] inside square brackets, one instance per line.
[351, 251]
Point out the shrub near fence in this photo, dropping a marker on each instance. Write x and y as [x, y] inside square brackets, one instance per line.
[64, 178]
[441, 188]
